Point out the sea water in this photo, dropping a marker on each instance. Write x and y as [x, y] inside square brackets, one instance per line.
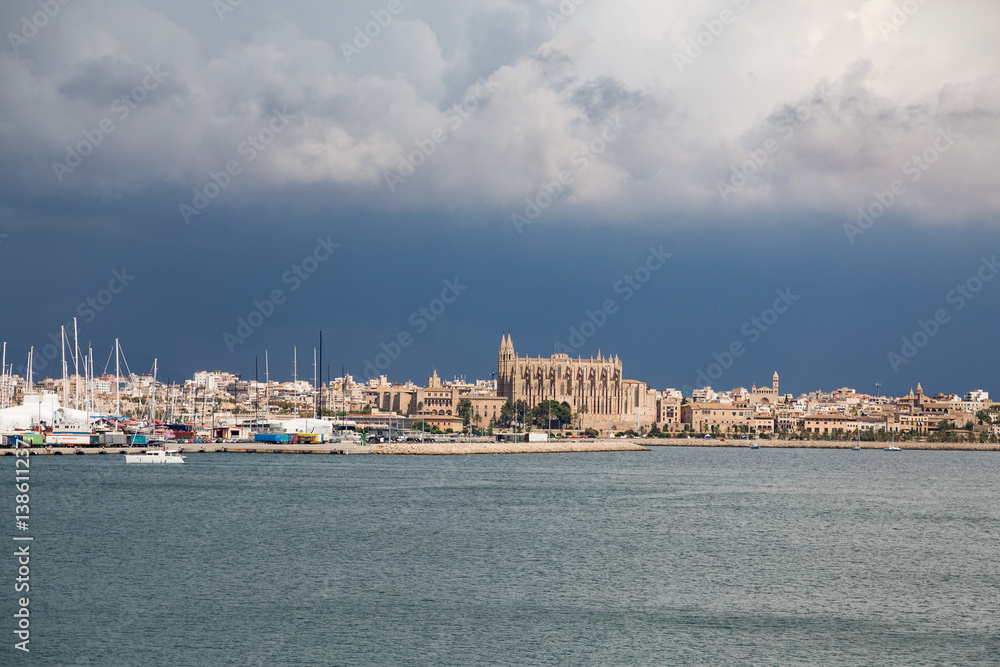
[679, 556]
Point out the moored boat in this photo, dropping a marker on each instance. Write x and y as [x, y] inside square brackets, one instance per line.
[156, 456]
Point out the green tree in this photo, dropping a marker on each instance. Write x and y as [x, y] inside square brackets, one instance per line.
[506, 417]
[465, 410]
[551, 414]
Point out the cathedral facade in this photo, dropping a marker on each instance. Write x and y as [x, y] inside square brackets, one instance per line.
[593, 388]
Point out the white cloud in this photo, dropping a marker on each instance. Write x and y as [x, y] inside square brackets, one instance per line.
[885, 93]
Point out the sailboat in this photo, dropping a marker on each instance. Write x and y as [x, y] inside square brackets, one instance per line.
[892, 447]
[162, 455]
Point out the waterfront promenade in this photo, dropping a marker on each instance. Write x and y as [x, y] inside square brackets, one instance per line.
[554, 446]
[818, 444]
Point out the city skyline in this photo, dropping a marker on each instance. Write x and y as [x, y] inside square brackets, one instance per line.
[257, 173]
[303, 366]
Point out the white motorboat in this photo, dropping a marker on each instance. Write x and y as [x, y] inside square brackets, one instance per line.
[156, 456]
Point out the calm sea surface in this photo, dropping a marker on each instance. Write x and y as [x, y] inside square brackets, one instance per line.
[677, 556]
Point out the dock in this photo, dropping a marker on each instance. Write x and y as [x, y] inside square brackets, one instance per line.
[458, 447]
[209, 448]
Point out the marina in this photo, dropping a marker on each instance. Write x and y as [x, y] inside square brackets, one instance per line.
[486, 446]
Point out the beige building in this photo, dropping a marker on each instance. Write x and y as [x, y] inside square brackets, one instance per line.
[765, 395]
[434, 400]
[916, 412]
[593, 388]
[725, 417]
[830, 424]
[764, 422]
[668, 413]
[487, 407]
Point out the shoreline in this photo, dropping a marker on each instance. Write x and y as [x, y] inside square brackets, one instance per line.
[350, 448]
[461, 448]
[549, 447]
[821, 444]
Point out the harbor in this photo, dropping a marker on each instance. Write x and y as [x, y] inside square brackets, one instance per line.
[479, 446]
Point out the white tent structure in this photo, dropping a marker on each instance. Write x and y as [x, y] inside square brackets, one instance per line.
[320, 426]
[39, 409]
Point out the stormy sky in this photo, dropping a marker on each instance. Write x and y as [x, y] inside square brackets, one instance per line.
[712, 190]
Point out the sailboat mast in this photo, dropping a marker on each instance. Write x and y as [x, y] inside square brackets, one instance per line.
[90, 386]
[295, 364]
[152, 400]
[267, 388]
[3, 378]
[315, 385]
[320, 373]
[31, 373]
[86, 390]
[118, 388]
[62, 345]
[76, 366]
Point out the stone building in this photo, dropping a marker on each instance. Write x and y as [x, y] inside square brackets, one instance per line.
[594, 388]
[765, 395]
